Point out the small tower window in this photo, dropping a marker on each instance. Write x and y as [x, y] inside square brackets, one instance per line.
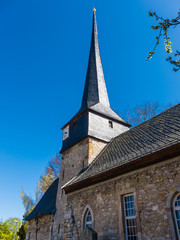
[110, 124]
[65, 133]
[59, 228]
[62, 191]
[74, 125]
[51, 230]
[63, 175]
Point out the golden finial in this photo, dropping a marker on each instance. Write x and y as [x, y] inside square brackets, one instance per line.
[94, 10]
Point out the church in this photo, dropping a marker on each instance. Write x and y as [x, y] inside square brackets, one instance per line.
[115, 183]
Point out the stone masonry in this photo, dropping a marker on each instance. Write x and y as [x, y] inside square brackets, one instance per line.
[40, 228]
[74, 159]
[153, 188]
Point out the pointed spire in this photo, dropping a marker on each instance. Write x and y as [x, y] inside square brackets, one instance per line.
[95, 88]
[95, 104]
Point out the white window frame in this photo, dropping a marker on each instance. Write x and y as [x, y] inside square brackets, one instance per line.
[87, 222]
[84, 215]
[176, 208]
[133, 217]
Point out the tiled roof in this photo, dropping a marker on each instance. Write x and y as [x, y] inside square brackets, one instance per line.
[47, 204]
[149, 137]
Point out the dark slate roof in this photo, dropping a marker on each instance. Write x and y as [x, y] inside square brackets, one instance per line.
[95, 96]
[47, 204]
[76, 134]
[149, 137]
[95, 87]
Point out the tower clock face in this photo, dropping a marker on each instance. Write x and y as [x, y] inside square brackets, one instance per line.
[66, 133]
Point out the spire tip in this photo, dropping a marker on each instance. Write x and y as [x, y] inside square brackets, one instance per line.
[94, 10]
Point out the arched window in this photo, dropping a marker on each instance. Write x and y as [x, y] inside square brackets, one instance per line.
[88, 218]
[176, 209]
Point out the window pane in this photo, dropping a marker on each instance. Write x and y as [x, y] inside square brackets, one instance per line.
[130, 218]
[177, 203]
[88, 226]
[178, 223]
[177, 214]
[88, 219]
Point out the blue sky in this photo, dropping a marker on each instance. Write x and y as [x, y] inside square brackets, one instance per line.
[44, 48]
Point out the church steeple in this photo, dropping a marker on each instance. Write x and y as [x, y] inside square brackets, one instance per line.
[95, 88]
[95, 118]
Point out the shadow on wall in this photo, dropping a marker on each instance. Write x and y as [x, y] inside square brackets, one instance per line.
[88, 234]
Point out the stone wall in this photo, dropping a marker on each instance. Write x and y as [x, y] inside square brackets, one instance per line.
[95, 146]
[74, 159]
[40, 229]
[153, 188]
[78, 157]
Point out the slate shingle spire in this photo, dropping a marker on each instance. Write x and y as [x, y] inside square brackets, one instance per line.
[95, 117]
[95, 87]
[95, 96]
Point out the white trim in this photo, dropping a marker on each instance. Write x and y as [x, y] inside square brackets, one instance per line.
[174, 211]
[83, 216]
[68, 182]
[131, 217]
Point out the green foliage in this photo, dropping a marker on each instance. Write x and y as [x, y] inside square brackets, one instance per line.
[22, 231]
[9, 228]
[162, 26]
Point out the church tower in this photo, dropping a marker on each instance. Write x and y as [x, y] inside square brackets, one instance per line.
[89, 131]
[95, 118]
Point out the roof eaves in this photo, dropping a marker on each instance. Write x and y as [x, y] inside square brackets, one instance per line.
[136, 164]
